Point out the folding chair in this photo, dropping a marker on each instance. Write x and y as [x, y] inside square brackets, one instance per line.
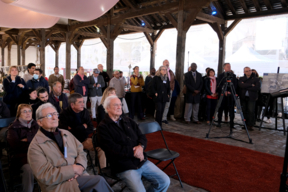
[91, 161]
[3, 186]
[104, 172]
[160, 154]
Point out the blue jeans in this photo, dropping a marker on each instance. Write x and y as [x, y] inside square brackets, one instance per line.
[132, 178]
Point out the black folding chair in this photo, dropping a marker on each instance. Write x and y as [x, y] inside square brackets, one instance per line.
[161, 154]
[90, 160]
[104, 172]
[3, 186]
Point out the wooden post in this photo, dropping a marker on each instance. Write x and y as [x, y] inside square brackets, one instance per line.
[3, 52]
[152, 55]
[68, 56]
[9, 53]
[42, 51]
[18, 54]
[222, 51]
[57, 58]
[78, 57]
[23, 55]
[110, 50]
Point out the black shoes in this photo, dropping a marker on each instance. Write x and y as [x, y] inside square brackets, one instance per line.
[165, 121]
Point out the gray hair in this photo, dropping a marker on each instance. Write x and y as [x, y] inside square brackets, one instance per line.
[55, 83]
[226, 64]
[40, 109]
[116, 72]
[107, 102]
[73, 98]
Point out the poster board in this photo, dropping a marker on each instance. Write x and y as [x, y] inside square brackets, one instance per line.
[273, 82]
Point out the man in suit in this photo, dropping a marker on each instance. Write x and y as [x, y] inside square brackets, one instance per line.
[228, 100]
[194, 83]
[95, 90]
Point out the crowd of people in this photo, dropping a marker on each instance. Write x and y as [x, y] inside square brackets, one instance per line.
[51, 130]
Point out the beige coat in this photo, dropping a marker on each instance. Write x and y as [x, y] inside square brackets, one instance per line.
[49, 166]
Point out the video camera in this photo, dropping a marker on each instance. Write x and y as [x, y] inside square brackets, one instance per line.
[228, 75]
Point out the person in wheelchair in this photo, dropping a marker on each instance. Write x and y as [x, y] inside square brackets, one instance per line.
[124, 144]
[20, 134]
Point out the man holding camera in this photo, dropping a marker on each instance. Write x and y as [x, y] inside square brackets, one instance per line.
[249, 85]
[228, 100]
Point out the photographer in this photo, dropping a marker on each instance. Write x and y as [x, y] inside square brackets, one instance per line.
[228, 97]
[249, 85]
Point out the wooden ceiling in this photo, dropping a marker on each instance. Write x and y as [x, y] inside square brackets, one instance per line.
[127, 17]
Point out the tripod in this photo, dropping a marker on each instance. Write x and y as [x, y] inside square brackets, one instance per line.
[227, 84]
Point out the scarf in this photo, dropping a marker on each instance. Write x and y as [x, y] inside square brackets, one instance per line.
[25, 123]
[213, 84]
[83, 87]
[168, 73]
[163, 78]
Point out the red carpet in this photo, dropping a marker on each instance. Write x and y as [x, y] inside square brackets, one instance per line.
[218, 167]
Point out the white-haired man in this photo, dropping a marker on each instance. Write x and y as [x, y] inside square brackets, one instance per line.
[123, 144]
[57, 158]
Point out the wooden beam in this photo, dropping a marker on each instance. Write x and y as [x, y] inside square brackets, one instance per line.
[87, 34]
[36, 34]
[104, 41]
[149, 38]
[68, 56]
[209, 18]
[218, 30]
[190, 19]
[136, 28]
[256, 5]
[244, 6]
[57, 39]
[13, 39]
[222, 51]
[171, 19]
[157, 36]
[268, 4]
[117, 30]
[9, 53]
[231, 27]
[230, 6]
[110, 51]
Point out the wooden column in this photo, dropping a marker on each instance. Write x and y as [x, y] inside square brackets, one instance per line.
[57, 46]
[68, 56]
[9, 53]
[152, 55]
[222, 50]
[78, 57]
[42, 51]
[18, 54]
[110, 50]
[3, 54]
[23, 55]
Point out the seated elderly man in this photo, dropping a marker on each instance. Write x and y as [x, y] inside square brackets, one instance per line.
[57, 158]
[123, 144]
[57, 98]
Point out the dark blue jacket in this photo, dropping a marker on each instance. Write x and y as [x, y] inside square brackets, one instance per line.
[12, 91]
[34, 84]
[176, 90]
[78, 84]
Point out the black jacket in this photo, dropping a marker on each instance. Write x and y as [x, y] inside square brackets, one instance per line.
[207, 84]
[68, 118]
[106, 79]
[34, 84]
[62, 98]
[192, 86]
[221, 80]
[118, 143]
[147, 81]
[161, 88]
[100, 114]
[4, 110]
[245, 85]
[79, 83]
[12, 91]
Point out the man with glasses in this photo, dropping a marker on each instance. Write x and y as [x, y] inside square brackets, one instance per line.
[249, 85]
[57, 158]
[76, 119]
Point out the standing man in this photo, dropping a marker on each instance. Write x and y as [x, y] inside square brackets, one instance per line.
[249, 87]
[105, 76]
[228, 101]
[57, 98]
[81, 83]
[150, 105]
[30, 72]
[194, 83]
[56, 77]
[171, 78]
[95, 91]
[118, 84]
[37, 81]
[122, 78]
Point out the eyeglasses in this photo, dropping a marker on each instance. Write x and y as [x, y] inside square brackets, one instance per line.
[117, 105]
[29, 111]
[50, 115]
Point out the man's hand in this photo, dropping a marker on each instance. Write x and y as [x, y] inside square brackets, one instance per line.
[94, 85]
[73, 178]
[196, 91]
[20, 85]
[24, 140]
[253, 85]
[69, 128]
[98, 85]
[138, 152]
[78, 169]
[85, 125]
[156, 94]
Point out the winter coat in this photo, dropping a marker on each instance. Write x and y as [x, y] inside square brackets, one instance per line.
[12, 91]
[4, 110]
[221, 81]
[54, 102]
[67, 119]
[172, 80]
[49, 166]
[79, 83]
[245, 85]
[118, 143]
[162, 88]
[18, 148]
[191, 86]
[34, 84]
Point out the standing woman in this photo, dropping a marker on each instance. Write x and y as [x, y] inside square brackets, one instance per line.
[136, 82]
[161, 90]
[211, 94]
[13, 86]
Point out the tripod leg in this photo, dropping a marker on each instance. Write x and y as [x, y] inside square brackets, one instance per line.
[265, 111]
[283, 116]
[217, 108]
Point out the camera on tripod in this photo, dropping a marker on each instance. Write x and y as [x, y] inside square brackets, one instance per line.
[228, 75]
